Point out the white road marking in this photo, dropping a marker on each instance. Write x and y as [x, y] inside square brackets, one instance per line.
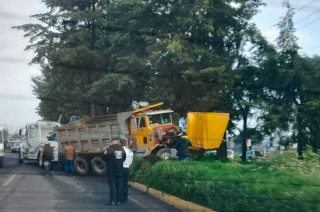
[8, 180]
[138, 203]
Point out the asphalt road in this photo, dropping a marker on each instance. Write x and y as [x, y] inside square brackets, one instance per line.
[25, 187]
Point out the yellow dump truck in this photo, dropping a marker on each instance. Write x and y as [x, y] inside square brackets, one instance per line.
[152, 127]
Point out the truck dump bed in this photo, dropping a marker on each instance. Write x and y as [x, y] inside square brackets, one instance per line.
[206, 129]
[89, 135]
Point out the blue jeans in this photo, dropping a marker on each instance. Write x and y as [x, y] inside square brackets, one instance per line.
[68, 166]
[47, 164]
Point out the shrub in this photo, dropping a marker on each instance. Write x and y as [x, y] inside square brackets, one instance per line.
[272, 185]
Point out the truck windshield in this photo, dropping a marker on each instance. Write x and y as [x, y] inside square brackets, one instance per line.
[157, 119]
[44, 131]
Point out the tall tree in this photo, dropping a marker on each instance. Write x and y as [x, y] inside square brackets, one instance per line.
[285, 83]
[194, 46]
[311, 95]
[70, 44]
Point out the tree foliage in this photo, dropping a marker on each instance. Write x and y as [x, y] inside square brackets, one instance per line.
[185, 48]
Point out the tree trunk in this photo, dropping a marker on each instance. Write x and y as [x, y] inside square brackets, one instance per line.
[244, 138]
[301, 143]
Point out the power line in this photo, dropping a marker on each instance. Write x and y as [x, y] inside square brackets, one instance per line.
[304, 26]
[298, 10]
[308, 24]
[313, 48]
[307, 16]
[301, 8]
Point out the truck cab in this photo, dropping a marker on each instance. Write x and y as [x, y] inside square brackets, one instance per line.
[36, 134]
[153, 129]
[150, 127]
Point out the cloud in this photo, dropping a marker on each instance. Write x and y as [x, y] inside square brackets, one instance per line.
[14, 60]
[10, 16]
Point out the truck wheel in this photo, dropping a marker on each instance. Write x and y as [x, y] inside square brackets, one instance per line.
[164, 154]
[98, 165]
[40, 161]
[81, 165]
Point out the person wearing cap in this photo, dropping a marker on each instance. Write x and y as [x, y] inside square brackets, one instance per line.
[182, 144]
[47, 156]
[126, 164]
[114, 157]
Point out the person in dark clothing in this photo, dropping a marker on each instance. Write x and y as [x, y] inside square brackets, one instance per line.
[182, 146]
[47, 156]
[114, 156]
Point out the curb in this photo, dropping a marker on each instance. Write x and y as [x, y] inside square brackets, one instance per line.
[172, 200]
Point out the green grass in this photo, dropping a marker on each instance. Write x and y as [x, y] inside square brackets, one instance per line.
[280, 183]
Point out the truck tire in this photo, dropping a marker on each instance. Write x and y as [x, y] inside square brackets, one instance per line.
[98, 165]
[81, 166]
[164, 153]
[40, 161]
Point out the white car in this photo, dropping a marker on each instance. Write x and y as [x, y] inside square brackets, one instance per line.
[15, 147]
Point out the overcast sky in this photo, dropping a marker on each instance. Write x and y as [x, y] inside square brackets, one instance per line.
[18, 104]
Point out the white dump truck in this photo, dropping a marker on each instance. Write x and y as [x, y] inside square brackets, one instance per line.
[35, 135]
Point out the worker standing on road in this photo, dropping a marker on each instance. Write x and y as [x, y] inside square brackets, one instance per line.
[182, 144]
[126, 164]
[68, 157]
[114, 156]
[47, 156]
